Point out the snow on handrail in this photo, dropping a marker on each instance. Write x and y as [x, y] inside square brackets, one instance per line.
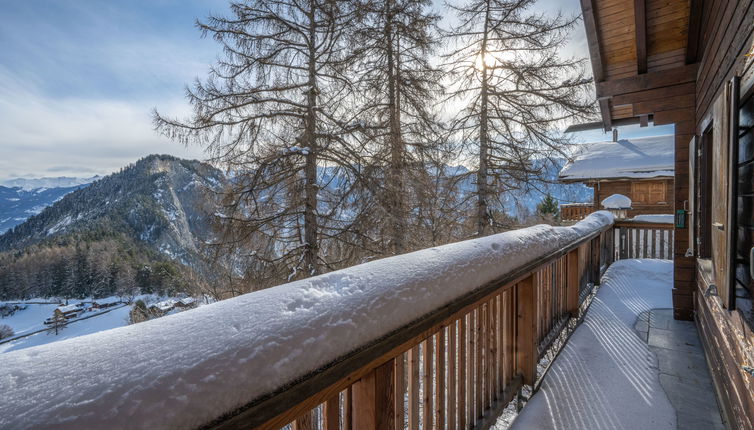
[187, 369]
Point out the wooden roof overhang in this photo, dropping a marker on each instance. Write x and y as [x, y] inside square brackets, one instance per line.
[643, 55]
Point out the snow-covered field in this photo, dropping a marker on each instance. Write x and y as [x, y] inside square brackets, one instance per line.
[32, 319]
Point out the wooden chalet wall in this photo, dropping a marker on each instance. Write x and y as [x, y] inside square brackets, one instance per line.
[607, 188]
[725, 36]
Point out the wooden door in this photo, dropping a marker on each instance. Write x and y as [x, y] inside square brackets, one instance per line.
[721, 125]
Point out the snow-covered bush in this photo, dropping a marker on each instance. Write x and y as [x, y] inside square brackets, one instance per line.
[5, 331]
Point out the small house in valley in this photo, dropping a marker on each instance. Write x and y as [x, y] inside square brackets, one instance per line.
[642, 169]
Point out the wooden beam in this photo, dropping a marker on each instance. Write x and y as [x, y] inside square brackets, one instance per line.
[695, 23]
[647, 81]
[640, 19]
[590, 23]
[607, 117]
[654, 94]
[643, 120]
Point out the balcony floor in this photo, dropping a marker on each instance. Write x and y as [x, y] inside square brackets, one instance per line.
[629, 365]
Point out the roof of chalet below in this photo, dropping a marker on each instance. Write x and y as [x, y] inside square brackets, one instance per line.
[647, 157]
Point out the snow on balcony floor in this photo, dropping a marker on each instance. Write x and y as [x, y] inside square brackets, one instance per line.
[607, 376]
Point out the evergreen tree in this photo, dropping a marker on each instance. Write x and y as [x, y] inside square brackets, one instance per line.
[548, 207]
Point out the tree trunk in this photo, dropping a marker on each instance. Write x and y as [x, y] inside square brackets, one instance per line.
[311, 248]
[482, 180]
[396, 192]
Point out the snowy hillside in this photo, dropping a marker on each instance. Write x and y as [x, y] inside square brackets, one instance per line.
[23, 198]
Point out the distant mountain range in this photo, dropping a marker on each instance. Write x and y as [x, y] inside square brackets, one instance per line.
[22, 198]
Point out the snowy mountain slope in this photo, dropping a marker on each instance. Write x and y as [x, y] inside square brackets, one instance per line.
[19, 202]
[155, 201]
[31, 184]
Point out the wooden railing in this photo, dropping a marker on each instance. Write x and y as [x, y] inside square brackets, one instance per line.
[457, 367]
[576, 211]
[639, 239]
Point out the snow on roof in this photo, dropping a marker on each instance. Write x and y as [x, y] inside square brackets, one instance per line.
[69, 308]
[251, 345]
[165, 305]
[662, 218]
[616, 201]
[187, 300]
[647, 157]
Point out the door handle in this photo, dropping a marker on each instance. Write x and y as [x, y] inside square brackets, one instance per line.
[718, 225]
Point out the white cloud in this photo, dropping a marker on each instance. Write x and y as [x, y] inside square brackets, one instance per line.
[78, 135]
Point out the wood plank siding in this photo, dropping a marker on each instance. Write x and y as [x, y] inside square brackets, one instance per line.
[693, 50]
[604, 189]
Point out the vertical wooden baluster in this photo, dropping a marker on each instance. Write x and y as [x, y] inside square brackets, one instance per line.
[484, 358]
[492, 381]
[499, 333]
[637, 243]
[662, 244]
[413, 388]
[504, 338]
[653, 250]
[646, 240]
[440, 380]
[331, 413]
[452, 351]
[374, 398]
[479, 363]
[348, 409]
[400, 391]
[427, 401]
[463, 373]
[304, 422]
[572, 283]
[526, 344]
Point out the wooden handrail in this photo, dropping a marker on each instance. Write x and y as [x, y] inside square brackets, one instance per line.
[363, 372]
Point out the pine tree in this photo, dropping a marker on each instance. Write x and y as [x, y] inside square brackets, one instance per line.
[548, 207]
[516, 91]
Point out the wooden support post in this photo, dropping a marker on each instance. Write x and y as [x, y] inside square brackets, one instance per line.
[331, 413]
[304, 422]
[596, 262]
[526, 329]
[373, 399]
[400, 390]
[572, 283]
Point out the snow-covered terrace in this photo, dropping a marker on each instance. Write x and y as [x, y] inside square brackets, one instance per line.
[640, 158]
[446, 335]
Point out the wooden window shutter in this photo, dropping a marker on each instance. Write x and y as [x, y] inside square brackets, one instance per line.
[692, 195]
[719, 215]
[691, 225]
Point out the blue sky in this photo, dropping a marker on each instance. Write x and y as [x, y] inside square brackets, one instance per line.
[78, 80]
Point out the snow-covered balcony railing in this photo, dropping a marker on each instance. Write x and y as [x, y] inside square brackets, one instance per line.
[442, 336]
[646, 237]
[576, 211]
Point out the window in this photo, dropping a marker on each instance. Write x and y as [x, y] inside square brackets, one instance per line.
[648, 192]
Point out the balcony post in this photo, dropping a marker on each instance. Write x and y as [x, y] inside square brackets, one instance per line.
[526, 330]
[373, 399]
[572, 282]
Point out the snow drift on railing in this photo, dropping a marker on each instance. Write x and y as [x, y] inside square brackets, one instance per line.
[183, 370]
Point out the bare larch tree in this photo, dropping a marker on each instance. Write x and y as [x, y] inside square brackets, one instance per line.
[272, 113]
[515, 90]
[399, 86]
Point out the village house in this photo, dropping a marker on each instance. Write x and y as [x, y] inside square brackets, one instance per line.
[641, 169]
